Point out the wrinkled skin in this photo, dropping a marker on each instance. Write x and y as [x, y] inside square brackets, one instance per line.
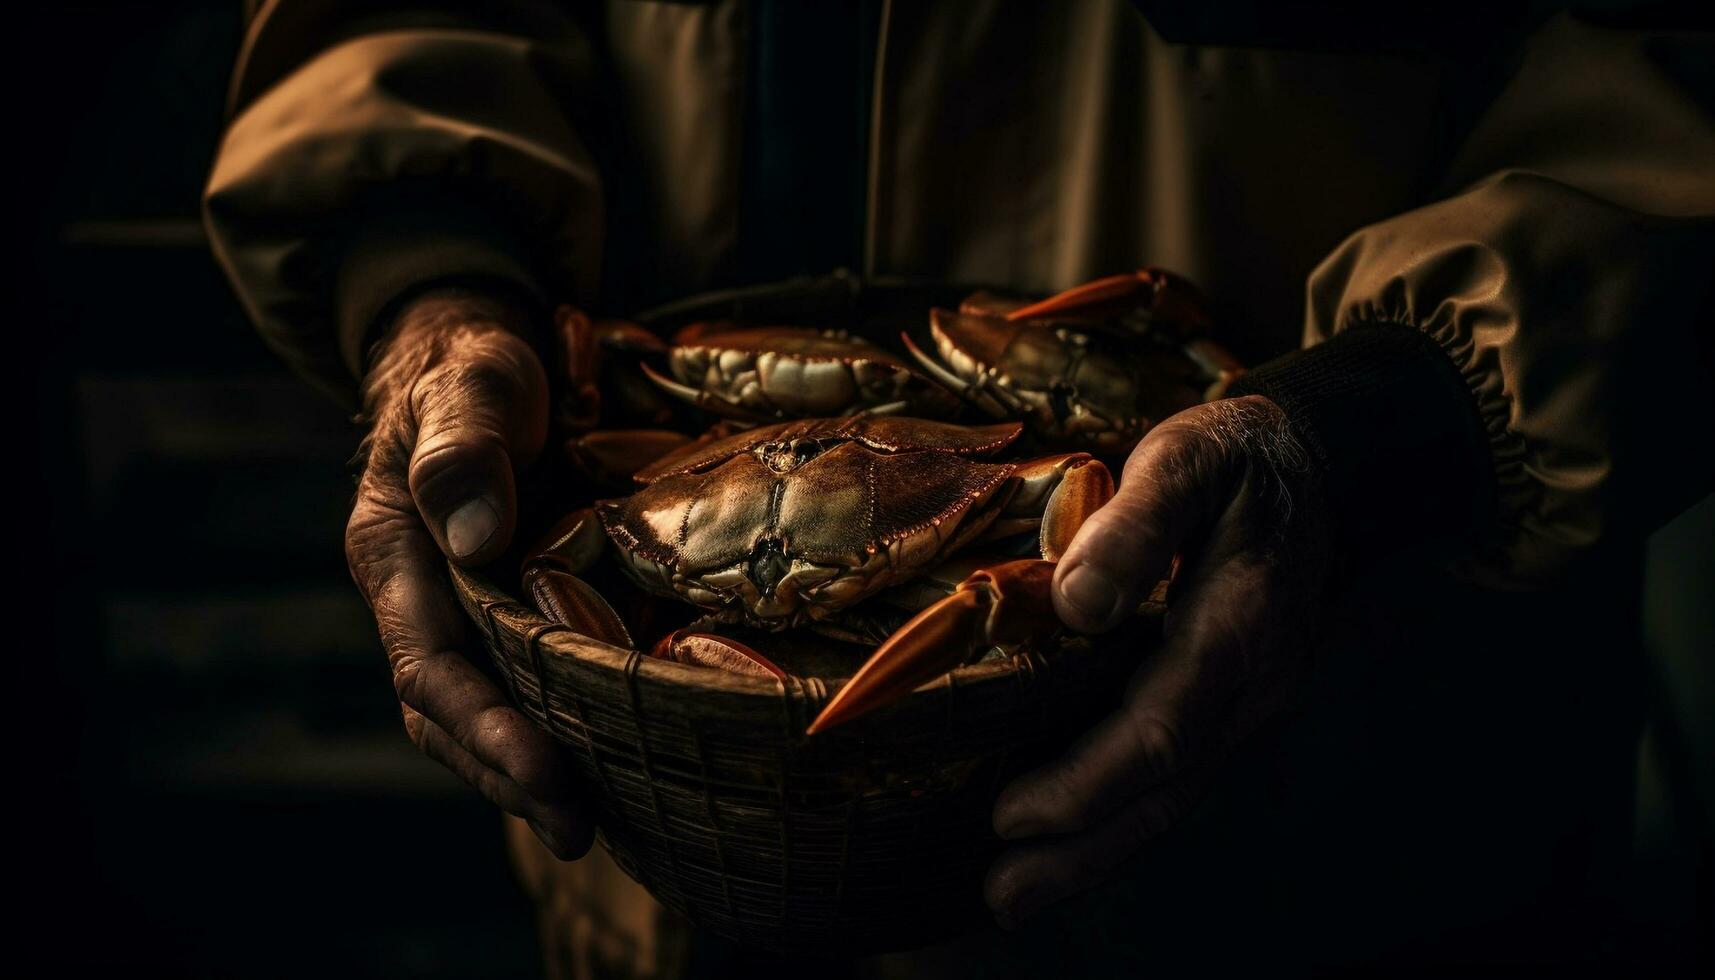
[459, 404]
[1225, 486]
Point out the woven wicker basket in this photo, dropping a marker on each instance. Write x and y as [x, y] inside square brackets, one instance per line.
[872, 837]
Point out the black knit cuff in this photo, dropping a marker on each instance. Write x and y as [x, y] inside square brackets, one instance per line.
[393, 254]
[1386, 412]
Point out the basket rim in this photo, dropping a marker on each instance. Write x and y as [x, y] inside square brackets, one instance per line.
[558, 640]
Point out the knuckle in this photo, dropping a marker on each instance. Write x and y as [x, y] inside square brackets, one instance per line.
[1165, 445]
[1126, 534]
[1006, 887]
[380, 516]
[493, 368]
[365, 530]
[408, 680]
[416, 727]
[372, 547]
[525, 758]
[1158, 744]
[472, 445]
[464, 452]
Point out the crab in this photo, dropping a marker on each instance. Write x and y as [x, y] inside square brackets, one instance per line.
[600, 383]
[796, 524]
[757, 375]
[1091, 368]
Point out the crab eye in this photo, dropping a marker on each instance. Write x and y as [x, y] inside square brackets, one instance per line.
[1060, 398]
[768, 565]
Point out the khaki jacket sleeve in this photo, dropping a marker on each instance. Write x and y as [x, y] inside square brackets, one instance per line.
[1538, 344]
[374, 149]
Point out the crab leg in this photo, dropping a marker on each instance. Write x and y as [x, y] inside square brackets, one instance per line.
[687, 646]
[1092, 295]
[991, 399]
[551, 579]
[1166, 295]
[1004, 605]
[708, 401]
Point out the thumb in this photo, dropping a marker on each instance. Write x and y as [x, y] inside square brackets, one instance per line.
[1127, 546]
[482, 414]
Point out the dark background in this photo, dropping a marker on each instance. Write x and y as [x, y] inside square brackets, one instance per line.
[227, 786]
[209, 760]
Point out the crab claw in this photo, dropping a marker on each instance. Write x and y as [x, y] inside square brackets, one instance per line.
[580, 403]
[1167, 296]
[551, 579]
[1005, 605]
[708, 650]
[570, 601]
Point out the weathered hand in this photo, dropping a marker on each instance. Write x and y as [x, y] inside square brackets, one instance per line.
[459, 402]
[1227, 488]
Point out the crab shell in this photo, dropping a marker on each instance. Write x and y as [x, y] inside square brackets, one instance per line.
[791, 523]
[1074, 386]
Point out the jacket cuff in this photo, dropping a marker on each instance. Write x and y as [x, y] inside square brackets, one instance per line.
[397, 253]
[1404, 452]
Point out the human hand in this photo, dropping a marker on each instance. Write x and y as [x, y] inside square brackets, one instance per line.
[1227, 488]
[459, 402]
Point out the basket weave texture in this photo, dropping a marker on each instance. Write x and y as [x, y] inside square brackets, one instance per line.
[871, 837]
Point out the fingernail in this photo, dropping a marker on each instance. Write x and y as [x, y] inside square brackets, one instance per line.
[470, 526]
[1091, 593]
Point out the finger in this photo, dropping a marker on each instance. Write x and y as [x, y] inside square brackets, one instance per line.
[1026, 879]
[479, 414]
[1124, 548]
[1173, 715]
[422, 630]
[398, 568]
[563, 828]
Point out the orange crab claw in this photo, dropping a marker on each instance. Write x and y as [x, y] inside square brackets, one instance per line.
[709, 650]
[1004, 605]
[551, 579]
[1088, 296]
[1170, 297]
